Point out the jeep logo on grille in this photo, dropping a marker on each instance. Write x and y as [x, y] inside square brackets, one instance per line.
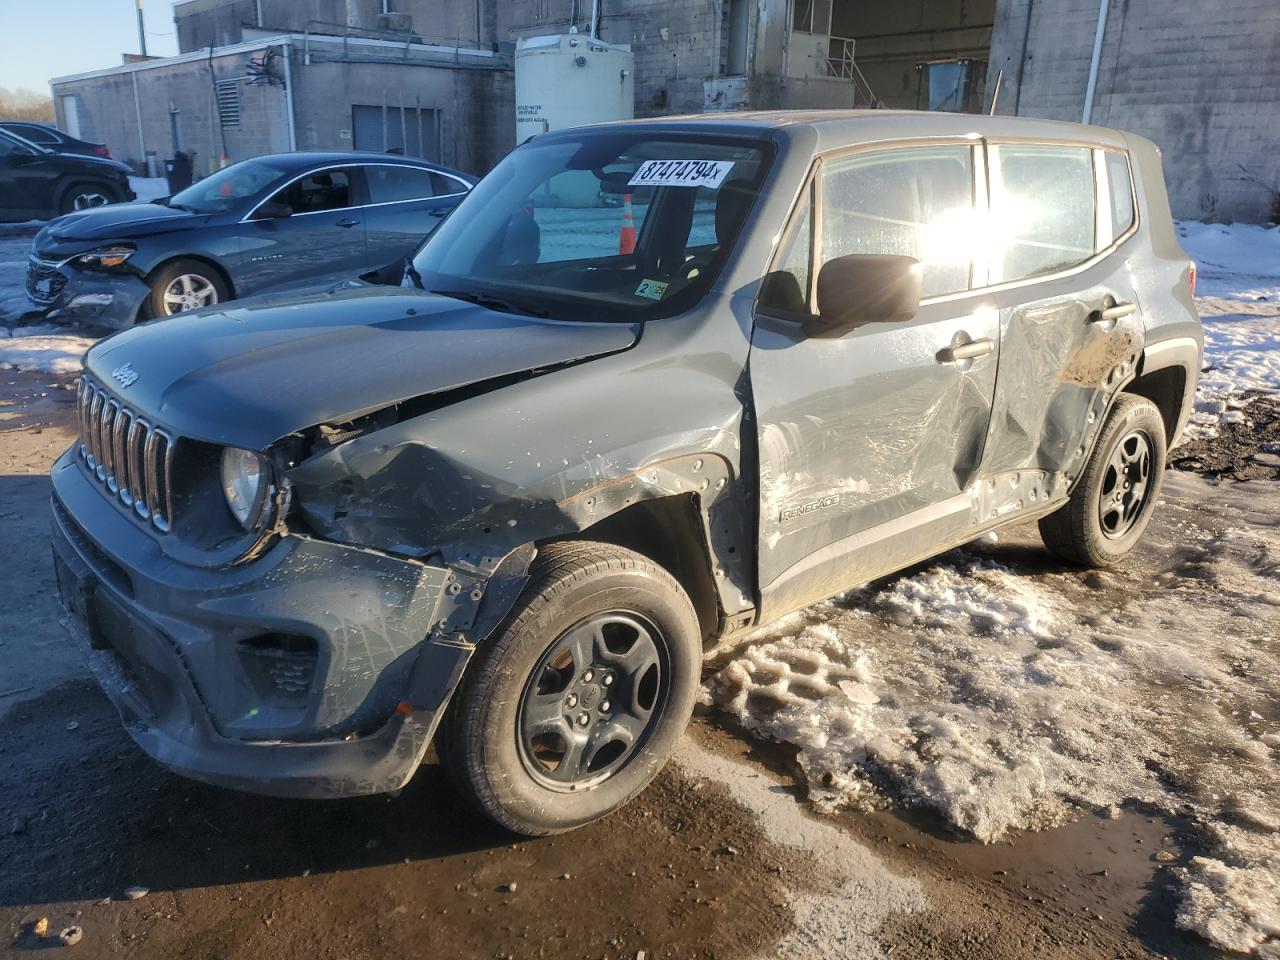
[124, 375]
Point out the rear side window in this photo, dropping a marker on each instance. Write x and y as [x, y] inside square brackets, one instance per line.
[915, 202]
[392, 184]
[1042, 209]
[1121, 190]
[34, 134]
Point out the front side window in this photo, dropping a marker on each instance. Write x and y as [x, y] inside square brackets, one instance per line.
[392, 184]
[606, 226]
[229, 188]
[913, 202]
[785, 289]
[317, 192]
[1042, 209]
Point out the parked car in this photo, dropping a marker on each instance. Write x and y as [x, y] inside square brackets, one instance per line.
[507, 506]
[36, 184]
[295, 219]
[51, 138]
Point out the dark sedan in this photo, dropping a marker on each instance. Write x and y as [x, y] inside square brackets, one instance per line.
[295, 220]
[36, 184]
[51, 138]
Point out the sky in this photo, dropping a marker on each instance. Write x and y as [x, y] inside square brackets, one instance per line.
[40, 39]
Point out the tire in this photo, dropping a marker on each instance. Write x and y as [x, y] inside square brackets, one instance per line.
[1094, 528]
[83, 196]
[581, 595]
[194, 281]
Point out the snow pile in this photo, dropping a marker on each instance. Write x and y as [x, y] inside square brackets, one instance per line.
[1238, 291]
[1008, 700]
[43, 348]
[149, 188]
[13, 278]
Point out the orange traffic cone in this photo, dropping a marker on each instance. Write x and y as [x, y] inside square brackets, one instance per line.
[627, 235]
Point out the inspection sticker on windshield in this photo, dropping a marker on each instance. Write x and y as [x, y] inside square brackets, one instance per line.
[681, 173]
[651, 289]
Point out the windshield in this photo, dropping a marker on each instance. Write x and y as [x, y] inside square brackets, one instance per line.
[638, 223]
[228, 189]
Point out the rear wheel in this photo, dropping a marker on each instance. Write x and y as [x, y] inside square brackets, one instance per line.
[86, 196]
[1113, 500]
[580, 698]
[184, 285]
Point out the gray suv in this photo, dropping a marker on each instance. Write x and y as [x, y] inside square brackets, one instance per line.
[653, 384]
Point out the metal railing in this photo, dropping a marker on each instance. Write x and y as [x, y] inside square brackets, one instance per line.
[841, 64]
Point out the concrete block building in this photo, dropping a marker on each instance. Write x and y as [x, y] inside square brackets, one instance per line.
[435, 77]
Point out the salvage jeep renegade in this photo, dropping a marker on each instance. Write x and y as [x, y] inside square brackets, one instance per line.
[652, 384]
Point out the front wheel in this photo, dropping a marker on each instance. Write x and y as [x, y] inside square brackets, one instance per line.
[184, 285]
[580, 697]
[1113, 500]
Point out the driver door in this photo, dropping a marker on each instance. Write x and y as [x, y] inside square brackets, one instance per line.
[867, 440]
[321, 242]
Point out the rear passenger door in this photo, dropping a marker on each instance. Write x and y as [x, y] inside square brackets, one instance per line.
[867, 442]
[405, 205]
[322, 241]
[1062, 222]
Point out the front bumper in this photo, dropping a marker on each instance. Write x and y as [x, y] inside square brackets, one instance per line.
[177, 650]
[80, 296]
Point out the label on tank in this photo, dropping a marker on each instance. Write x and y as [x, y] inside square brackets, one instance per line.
[681, 173]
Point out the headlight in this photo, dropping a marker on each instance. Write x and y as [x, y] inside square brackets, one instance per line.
[104, 258]
[244, 483]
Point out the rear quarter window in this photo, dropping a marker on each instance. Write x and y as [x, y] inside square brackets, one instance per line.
[1042, 209]
[1120, 187]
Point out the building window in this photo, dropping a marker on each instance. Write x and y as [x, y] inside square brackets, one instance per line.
[811, 16]
[228, 92]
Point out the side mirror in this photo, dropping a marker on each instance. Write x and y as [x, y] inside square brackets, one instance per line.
[860, 289]
[273, 211]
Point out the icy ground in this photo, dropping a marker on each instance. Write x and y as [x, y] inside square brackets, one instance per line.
[1007, 693]
[1238, 295]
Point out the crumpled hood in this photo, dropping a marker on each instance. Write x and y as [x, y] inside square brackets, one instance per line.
[259, 369]
[117, 221]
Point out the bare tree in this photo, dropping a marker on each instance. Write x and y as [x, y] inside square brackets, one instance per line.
[25, 105]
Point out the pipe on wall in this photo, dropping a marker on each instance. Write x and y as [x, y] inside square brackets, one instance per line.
[288, 95]
[1098, 33]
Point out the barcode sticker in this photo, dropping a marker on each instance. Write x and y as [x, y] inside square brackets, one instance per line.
[681, 173]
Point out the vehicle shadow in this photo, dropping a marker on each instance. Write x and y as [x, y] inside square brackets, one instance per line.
[90, 815]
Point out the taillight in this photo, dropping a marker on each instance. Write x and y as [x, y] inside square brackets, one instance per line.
[102, 151]
[1193, 278]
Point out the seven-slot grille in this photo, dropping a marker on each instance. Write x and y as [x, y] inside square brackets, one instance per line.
[130, 455]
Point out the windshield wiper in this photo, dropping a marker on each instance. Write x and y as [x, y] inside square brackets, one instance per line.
[412, 273]
[491, 303]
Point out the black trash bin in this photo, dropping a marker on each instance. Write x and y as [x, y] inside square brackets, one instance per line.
[178, 172]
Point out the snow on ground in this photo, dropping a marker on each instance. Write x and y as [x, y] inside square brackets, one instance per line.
[149, 188]
[1239, 301]
[1008, 699]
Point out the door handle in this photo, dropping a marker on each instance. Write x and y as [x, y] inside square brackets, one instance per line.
[966, 351]
[348, 223]
[1111, 310]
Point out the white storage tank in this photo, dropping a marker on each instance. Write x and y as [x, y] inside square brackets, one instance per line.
[571, 79]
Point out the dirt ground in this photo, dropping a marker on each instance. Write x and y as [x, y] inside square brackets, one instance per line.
[718, 859]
